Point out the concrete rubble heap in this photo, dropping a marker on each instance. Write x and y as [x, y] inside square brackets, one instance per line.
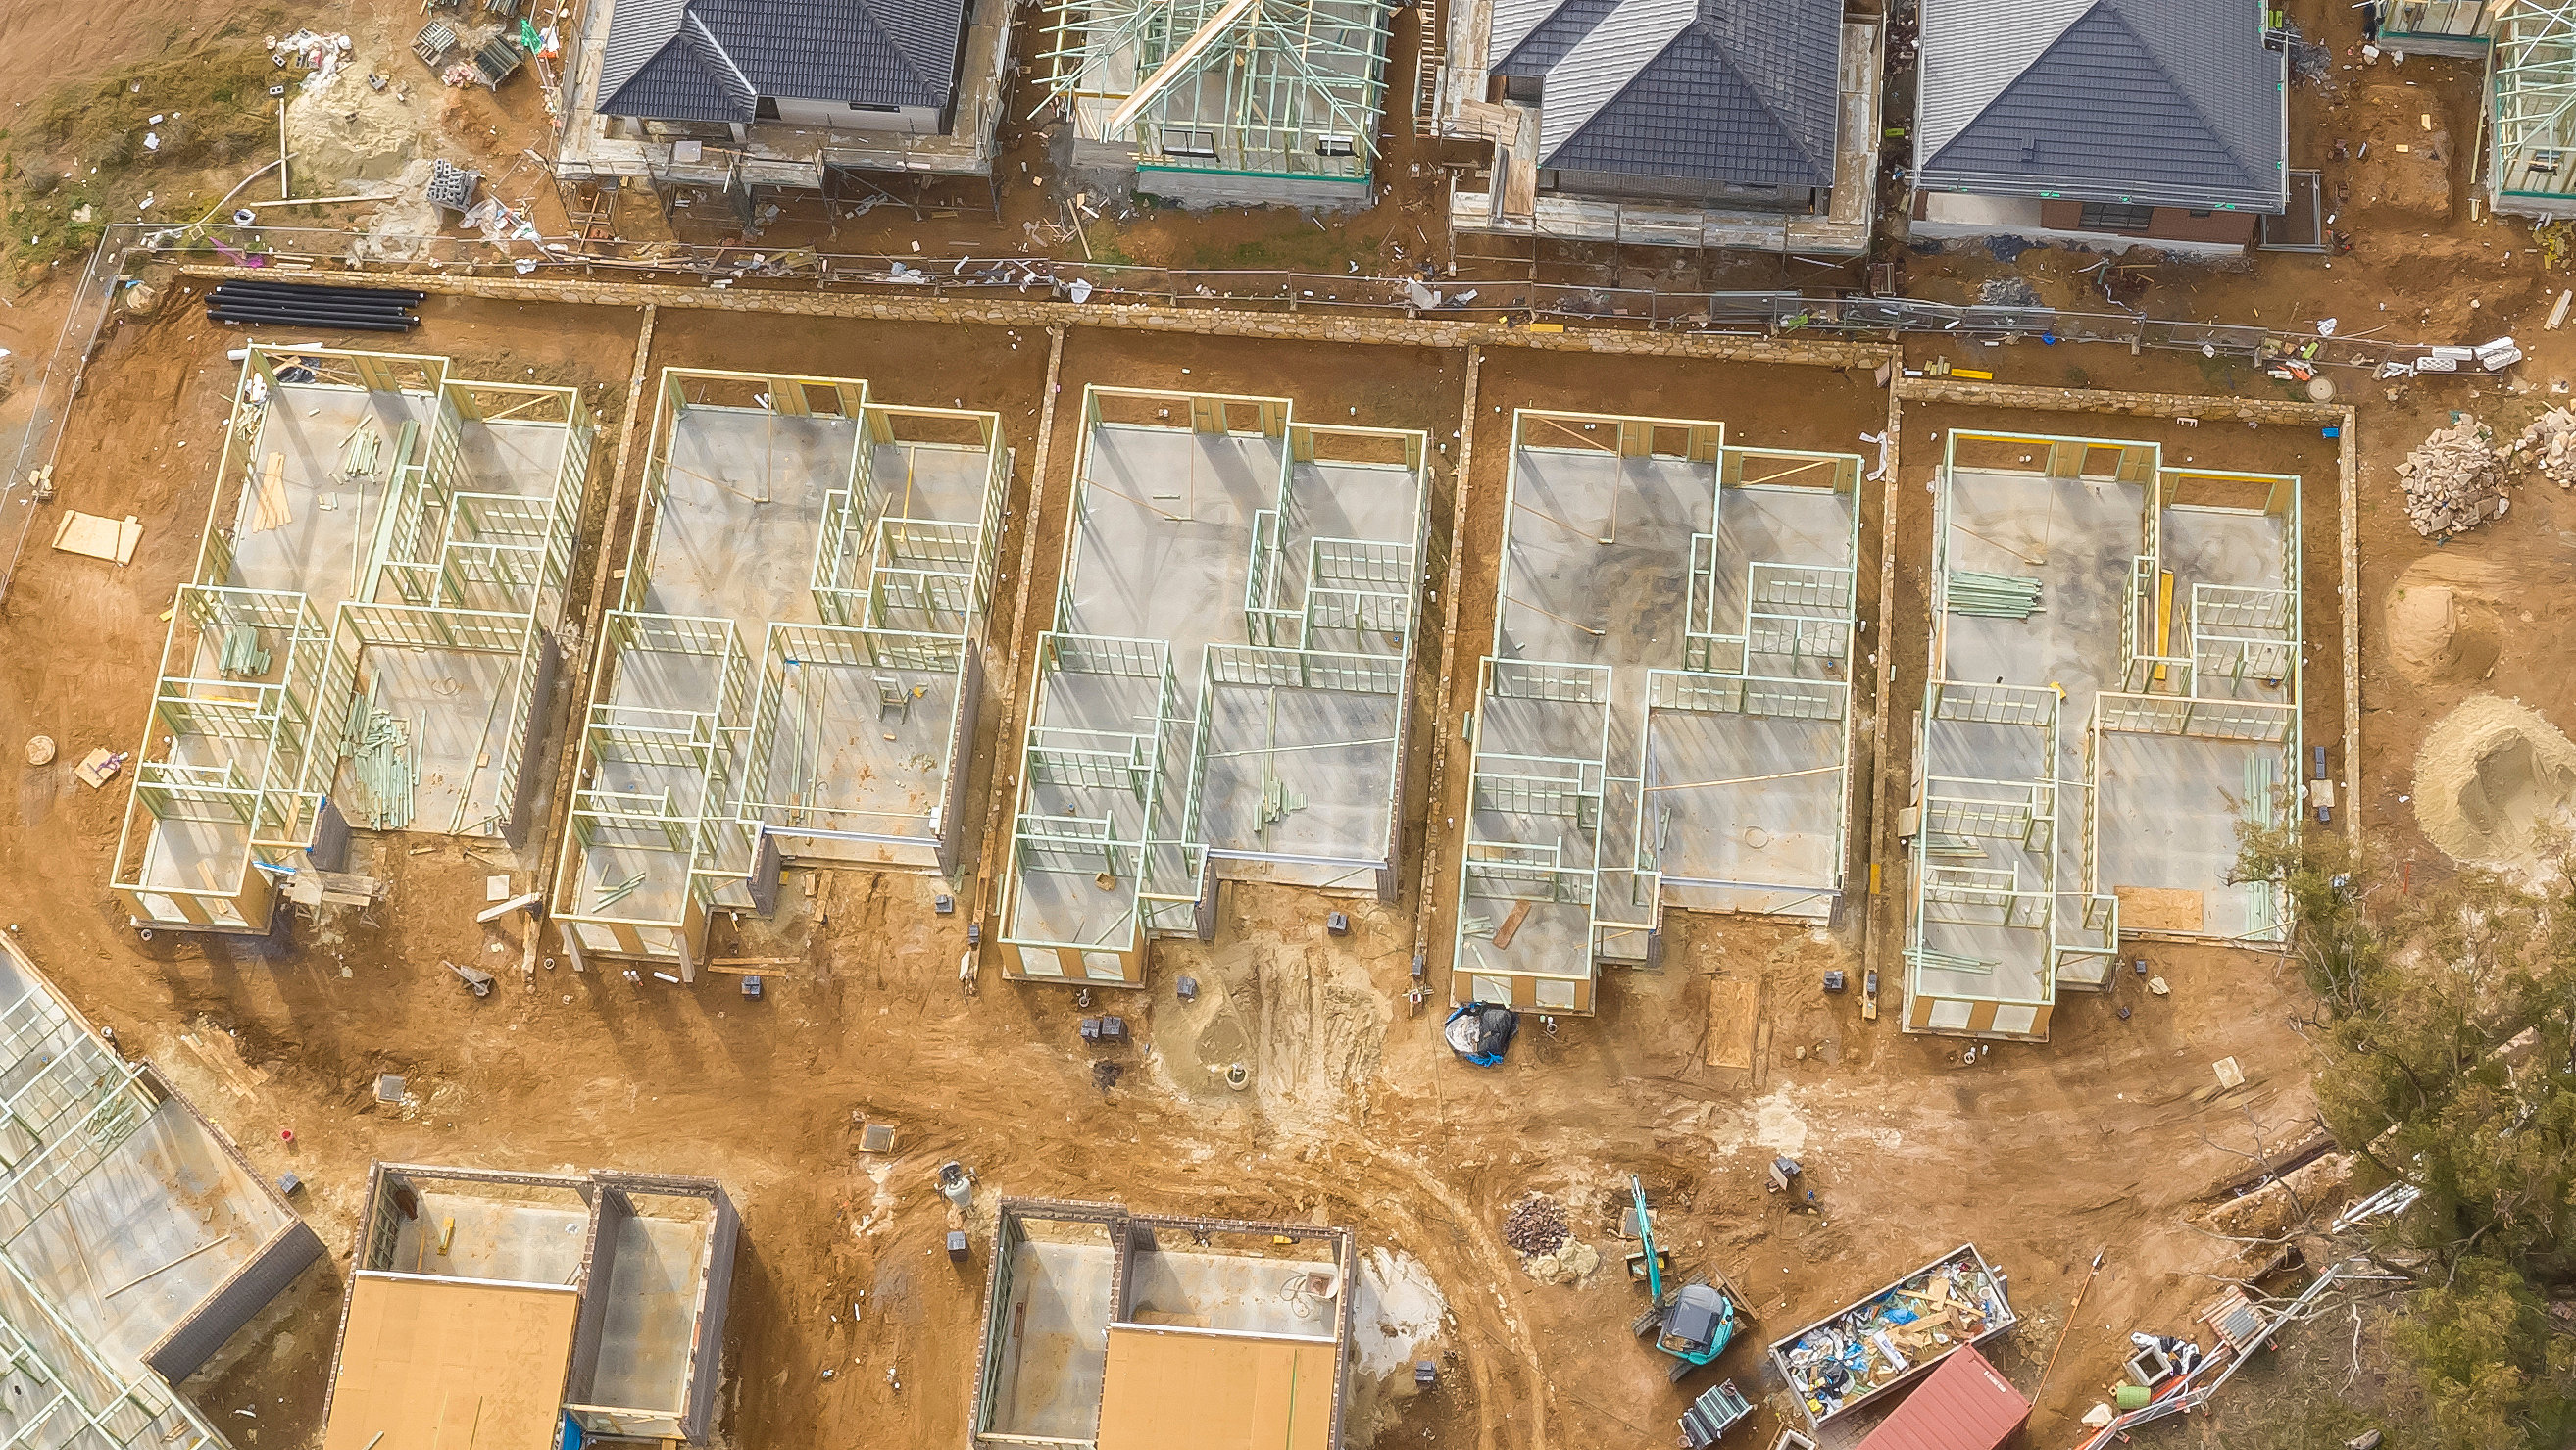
[2450, 478]
[2549, 446]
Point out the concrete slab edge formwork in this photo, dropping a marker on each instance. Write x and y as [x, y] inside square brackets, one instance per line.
[1120, 1226]
[264, 677]
[2167, 406]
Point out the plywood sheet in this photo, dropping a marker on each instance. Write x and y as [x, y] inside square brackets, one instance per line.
[97, 537]
[1734, 1005]
[1171, 1389]
[2157, 908]
[440, 1364]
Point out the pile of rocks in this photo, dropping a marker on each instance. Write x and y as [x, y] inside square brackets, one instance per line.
[2548, 446]
[1536, 1225]
[2454, 480]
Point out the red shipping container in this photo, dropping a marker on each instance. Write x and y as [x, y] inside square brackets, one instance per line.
[1962, 1405]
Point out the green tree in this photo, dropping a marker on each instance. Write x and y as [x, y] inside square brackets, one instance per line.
[2447, 1060]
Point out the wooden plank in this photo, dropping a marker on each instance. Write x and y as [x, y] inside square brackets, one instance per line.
[736, 971]
[1734, 1006]
[756, 962]
[1511, 926]
[2156, 908]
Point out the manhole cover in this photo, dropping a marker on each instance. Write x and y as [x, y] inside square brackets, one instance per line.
[40, 751]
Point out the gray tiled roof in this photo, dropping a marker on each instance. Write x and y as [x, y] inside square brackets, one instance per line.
[711, 60]
[2156, 102]
[1719, 90]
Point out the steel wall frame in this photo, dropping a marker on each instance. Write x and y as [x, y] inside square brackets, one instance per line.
[2159, 693]
[861, 553]
[1713, 679]
[1287, 73]
[304, 707]
[1171, 859]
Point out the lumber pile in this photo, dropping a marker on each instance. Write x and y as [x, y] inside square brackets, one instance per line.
[2454, 480]
[2548, 447]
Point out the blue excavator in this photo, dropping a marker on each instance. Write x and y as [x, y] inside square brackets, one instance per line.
[1693, 1322]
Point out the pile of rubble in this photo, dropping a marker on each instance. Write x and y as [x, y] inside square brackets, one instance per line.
[2451, 479]
[2548, 446]
[1536, 1225]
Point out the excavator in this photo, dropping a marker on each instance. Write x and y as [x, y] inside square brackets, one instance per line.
[1696, 1320]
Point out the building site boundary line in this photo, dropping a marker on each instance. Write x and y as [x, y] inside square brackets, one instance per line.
[1388, 330]
[1010, 729]
[1443, 722]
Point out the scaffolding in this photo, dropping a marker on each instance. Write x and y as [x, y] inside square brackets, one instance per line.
[1225, 100]
[792, 668]
[2531, 98]
[1224, 688]
[1624, 768]
[2020, 856]
[373, 605]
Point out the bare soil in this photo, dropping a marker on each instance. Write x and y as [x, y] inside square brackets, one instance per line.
[1355, 1113]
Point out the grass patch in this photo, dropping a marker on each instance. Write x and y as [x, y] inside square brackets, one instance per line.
[76, 159]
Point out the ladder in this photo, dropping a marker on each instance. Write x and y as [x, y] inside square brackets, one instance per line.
[1426, 72]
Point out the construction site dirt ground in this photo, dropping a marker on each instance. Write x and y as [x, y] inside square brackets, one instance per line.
[849, 1325]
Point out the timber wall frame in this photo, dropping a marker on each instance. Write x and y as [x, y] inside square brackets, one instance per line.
[2155, 686]
[1166, 873]
[1817, 612]
[442, 566]
[888, 591]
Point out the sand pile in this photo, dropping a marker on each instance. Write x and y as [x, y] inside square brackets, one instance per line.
[1571, 1263]
[2445, 618]
[2493, 782]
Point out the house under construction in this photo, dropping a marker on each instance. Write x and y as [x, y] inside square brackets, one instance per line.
[368, 636]
[134, 1237]
[1225, 102]
[2143, 622]
[531, 1309]
[1222, 691]
[1124, 1331]
[1628, 759]
[791, 669]
[2531, 81]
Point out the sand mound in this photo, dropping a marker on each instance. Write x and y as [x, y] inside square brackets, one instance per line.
[2443, 618]
[2492, 780]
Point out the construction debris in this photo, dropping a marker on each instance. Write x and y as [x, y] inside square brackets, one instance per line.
[1536, 1225]
[2451, 479]
[1851, 1357]
[2548, 446]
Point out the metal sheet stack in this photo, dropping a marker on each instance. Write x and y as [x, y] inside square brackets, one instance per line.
[1993, 596]
[298, 304]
